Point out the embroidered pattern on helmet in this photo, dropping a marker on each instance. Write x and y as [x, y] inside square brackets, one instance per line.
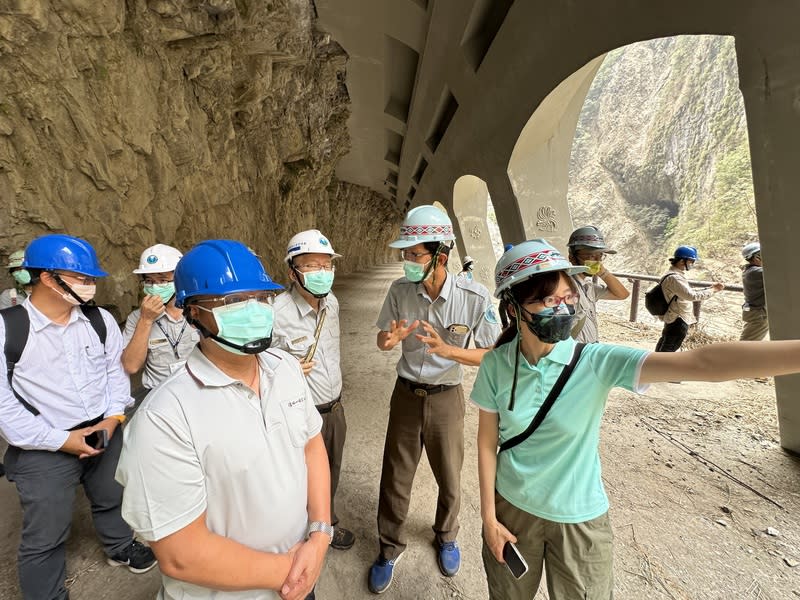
[426, 230]
[529, 260]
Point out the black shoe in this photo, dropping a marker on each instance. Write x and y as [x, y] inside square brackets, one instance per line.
[343, 539]
[137, 557]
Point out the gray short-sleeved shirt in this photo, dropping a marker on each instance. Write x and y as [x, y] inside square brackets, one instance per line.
[295, 323]
[462, 312]
[205, 442]
[161, 360]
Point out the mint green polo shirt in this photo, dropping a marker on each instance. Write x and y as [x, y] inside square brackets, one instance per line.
[555, 474]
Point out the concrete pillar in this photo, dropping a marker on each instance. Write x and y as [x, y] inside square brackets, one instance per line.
[470, 197]
[539, 165]
[506, 207]
[770, 82]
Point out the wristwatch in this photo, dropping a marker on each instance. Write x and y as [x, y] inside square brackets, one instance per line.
[322, 527]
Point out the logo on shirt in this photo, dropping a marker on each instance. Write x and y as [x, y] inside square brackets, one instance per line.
[491, 316]
[296, 402]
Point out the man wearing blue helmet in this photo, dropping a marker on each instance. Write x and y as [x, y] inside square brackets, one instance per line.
[224, 467]
[60, 408]
[680, 295]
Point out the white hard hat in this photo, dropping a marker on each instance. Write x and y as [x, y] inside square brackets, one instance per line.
[528, 259]
[423, 224]
[158, 259]
[16, 259]
[309, 242]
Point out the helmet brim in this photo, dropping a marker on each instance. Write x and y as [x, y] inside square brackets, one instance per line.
[511, 281]
[404, 244]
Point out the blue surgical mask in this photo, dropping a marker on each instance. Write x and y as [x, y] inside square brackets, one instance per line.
[21, 276]
[414, 271]
[165, 291]
[318, 283]
[247, 326]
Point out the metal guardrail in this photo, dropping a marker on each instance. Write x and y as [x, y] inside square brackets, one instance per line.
[636, 279]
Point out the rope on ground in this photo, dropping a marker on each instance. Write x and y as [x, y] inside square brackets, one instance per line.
[709, 463]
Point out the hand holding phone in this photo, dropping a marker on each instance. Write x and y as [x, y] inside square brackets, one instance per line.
[98, 439]
[514, 561]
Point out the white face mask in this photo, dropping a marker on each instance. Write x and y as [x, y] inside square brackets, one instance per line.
[84, 292]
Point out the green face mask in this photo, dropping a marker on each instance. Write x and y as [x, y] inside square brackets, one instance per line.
[414, 271]
[593, 266]
[165, 291]
[247, 325]
[318, 282]
[22, 276]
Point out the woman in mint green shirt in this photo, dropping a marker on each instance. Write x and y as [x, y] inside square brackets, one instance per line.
[546, 494]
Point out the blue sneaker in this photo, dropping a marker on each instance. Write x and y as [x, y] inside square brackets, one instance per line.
[381, 573]
[449, 558]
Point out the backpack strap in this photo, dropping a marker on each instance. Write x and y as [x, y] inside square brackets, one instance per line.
[96, 319]
[661, 283]
[549, 401]
[18, 326]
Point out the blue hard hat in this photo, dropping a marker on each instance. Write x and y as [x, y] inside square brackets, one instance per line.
[217, 268]
[63, 252]
[685, 252]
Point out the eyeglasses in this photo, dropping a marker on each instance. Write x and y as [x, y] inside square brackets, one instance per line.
[148, 281]
[552, 301]
[413, 255]
[262, 297]
[81, 279]
[315, 267]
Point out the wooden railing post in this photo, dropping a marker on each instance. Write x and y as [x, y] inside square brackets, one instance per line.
[635, 300]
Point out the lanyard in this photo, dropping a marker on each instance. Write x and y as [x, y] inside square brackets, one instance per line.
[172, 343]
[320, 320]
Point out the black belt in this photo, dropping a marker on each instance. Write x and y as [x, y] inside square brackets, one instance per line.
[324, 409]
[90, 423]
[425, 389]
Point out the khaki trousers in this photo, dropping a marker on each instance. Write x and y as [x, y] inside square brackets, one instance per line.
[578, 557]
[435, 423]
[756, 325]
[334, 432]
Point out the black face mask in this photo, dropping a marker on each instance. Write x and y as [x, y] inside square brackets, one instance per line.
[552, 325]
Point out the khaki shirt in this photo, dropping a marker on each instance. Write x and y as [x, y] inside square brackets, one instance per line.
[202, 441]
[293, 331]
[678, 285]
[592, 290]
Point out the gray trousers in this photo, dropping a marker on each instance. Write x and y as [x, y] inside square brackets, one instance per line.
[756, 325]
[46, 483]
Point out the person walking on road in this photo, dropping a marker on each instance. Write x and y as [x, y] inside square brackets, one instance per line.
[432, 316]
[680, 296]
[307, 327]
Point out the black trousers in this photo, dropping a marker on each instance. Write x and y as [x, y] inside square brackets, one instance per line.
[672, 336]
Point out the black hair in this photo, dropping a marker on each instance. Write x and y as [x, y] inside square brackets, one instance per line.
[535, 287]
[441, 247]
[35, 274]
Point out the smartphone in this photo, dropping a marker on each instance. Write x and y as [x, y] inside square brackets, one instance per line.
[97, 439]
[514, 561]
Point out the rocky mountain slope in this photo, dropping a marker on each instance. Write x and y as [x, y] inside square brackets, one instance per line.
[661, 155]
[130, 123]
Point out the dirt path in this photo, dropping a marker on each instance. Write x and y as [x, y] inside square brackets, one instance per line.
[683, 528]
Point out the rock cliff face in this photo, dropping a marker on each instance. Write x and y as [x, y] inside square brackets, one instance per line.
[661, 155]
[172, 121]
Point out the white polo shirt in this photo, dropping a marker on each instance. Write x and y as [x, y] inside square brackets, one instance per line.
[295, 323]
[205, 442]
[170, 342]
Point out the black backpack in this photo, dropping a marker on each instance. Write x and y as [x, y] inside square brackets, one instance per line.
[655, 301]
[18, 326]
